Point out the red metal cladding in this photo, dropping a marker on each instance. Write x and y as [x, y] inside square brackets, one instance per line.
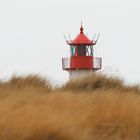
[82, 39]
[81, 62]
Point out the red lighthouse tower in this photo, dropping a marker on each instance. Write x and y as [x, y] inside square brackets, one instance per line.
[81, 60]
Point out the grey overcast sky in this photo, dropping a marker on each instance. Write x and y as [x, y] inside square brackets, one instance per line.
[31, 35]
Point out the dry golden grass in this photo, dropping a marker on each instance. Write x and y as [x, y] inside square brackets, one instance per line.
[93, 108]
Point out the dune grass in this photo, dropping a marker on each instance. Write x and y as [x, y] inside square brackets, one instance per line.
[96, 107]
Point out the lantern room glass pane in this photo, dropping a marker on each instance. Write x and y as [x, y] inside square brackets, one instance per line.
[81, 51]
[72, 50]
[89, 50]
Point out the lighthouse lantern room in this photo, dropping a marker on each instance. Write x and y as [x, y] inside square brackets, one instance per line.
[81, 61]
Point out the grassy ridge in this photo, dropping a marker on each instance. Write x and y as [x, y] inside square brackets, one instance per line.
[96, 107]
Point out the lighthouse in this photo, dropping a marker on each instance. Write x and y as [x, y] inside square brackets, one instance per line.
[82, 60]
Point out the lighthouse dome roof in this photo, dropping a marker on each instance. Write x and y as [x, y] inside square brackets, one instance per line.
[81, 39]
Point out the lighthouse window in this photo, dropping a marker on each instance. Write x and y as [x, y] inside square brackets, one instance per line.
[89, 50]
[72, 50]
[82, 50]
